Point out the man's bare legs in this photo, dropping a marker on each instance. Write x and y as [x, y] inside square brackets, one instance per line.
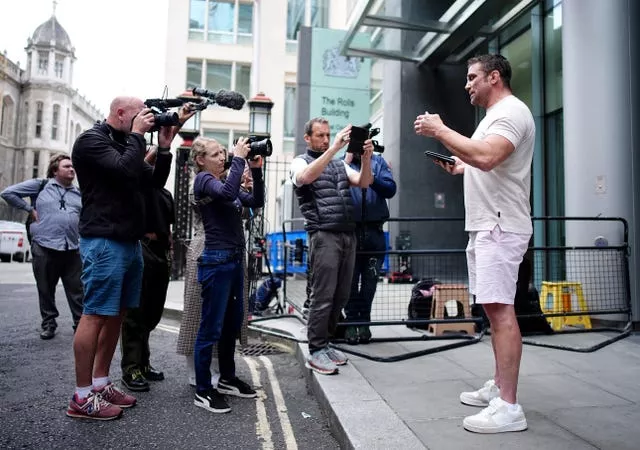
[496, 376]
[107, 343]
[85, 343]
[94, 344]
[507, 346]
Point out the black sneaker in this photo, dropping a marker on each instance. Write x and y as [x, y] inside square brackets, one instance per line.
[48, 333]
[213, 401]
[236, 387]
[152, 374]
[135, 381]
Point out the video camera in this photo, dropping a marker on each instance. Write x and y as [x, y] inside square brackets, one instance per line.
[200, 100]
[258, 146]
[359, 135]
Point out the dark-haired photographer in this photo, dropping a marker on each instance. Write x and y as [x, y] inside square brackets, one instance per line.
[113, 177]
[220, 267]
[322, 187]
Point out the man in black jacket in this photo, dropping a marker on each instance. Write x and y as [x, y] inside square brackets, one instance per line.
[139, 322]
[112, 173]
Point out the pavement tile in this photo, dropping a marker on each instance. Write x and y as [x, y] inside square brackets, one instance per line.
[448, 434]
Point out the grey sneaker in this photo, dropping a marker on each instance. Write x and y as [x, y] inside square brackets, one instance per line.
[321, 363]
[482, 396]
[337, 356]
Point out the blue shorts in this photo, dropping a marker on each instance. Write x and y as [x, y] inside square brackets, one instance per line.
[111, 275]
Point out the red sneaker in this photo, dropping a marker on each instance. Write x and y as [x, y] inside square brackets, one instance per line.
[115, 396]
[93, 407]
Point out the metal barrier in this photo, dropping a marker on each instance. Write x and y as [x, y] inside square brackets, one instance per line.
[576, 288]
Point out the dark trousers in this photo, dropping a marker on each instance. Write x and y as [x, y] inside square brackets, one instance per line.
[332, 257]
[365, 274]
[221, 274]
[139, 322]
[49, 266]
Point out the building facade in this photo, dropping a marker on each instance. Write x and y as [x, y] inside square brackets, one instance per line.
[42, 113]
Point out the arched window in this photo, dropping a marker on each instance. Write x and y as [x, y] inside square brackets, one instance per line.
[6, 117]
[54, 122]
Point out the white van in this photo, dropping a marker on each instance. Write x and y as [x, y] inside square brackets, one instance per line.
[14, 244]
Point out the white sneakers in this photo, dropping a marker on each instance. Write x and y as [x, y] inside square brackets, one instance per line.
[498, 416]
[482, 396]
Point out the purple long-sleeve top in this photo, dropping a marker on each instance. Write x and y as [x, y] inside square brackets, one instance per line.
[222, 215]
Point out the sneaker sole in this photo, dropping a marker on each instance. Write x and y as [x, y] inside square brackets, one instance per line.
[210, 409]
[470, 401]
[516, 426]
[135, 389]
[321, 371]
[125, 406]
[76, 415]
[235, 393]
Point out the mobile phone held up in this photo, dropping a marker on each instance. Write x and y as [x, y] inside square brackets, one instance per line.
[440, 158]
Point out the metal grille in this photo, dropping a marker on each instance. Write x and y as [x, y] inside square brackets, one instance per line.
[260, 349]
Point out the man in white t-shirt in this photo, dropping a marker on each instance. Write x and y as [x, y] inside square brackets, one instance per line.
[323, 187]
[496, 163]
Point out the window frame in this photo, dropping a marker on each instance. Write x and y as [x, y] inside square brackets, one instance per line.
[235, 36]
[39, 119]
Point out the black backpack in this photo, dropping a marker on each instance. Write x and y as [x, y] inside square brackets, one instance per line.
[29, 220]
[420, 302]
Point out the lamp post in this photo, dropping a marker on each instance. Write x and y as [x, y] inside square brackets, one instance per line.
[183, 220]
[260, 115]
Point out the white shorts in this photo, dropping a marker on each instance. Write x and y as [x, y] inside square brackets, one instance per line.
[493, 259]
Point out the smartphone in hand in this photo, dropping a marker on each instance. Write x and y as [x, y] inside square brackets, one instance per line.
[440, 158]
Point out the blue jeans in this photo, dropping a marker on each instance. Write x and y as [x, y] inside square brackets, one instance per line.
[221, 275]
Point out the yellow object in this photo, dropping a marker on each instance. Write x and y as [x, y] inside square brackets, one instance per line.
[561, 293]
[443, 294]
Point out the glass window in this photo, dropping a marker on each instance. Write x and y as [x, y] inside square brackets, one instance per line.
[221, 15]
[36, 163]
[54, 122]
[39, 108]
[519, 53]
[288, 145]
[319, 13]
[43, 62]
[218, 76]
[289, 110]
[194, 73]
[245, 18]
[243, 79]
[222, 136]
[196, 19]
[235, 134]
[295, 18]
[553, 60]
[59, 66]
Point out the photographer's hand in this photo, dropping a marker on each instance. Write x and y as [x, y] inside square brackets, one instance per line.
[185, 113]
[342, 138]
[165, 137]
[256, 163]
[242, 148]
[143, 122]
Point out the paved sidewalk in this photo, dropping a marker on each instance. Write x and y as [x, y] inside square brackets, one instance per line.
[571, 400]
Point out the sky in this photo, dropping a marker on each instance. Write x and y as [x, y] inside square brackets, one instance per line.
[119, 44]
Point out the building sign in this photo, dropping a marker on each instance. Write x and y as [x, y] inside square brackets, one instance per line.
[339, 85]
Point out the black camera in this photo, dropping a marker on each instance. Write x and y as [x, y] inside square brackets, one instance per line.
[258, 147]
[359, 135]
[162, 117]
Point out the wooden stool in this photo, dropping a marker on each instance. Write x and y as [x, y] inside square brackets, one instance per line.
[444, 293]
[561, 293]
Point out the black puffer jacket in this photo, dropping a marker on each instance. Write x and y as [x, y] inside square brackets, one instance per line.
[326, 203]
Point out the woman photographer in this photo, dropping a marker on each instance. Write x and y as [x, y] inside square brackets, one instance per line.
[220, 267]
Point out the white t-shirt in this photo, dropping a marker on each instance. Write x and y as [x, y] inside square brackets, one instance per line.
[501, 196]
[299, 164]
